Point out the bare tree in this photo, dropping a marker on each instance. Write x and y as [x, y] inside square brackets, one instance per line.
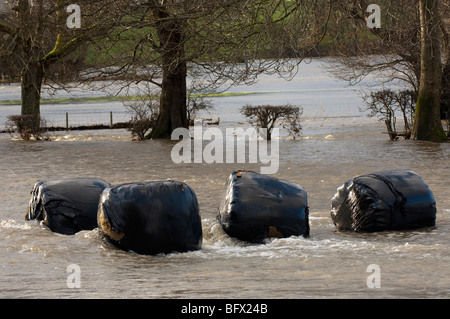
[268, 116]
[196, 103]
[406, 101]
[394, 51]
[37, 35]
[27, 127]
[145, 109]
[144, 113]
[382, 103]
[427, 120]
[218, 42]
[387, 103]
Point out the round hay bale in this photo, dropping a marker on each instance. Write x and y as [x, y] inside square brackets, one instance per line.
[66, 205]
[151, 217]
[256, 206]
[391, 200]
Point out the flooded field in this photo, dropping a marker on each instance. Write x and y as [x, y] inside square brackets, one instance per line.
[338, 143]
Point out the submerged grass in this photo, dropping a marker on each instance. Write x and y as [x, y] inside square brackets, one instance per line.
[92, 99]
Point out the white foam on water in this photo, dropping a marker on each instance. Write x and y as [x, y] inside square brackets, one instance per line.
[12, 224]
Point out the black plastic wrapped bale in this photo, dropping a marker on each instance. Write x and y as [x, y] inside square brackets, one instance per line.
[393, 200]
[151, 217]
[66, 205]
[257, 206]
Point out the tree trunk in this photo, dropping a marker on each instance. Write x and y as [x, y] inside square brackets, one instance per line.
[172, 109]
[31, 82]
[427, 121]
[445, 98]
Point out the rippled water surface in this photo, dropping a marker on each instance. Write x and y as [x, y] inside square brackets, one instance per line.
[329, 264]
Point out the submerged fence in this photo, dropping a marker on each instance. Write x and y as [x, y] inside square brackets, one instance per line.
[104, 125]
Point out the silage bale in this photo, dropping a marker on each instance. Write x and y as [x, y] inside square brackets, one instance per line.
[256, 206]
[66, 205]
[391, 200]
[151, 217]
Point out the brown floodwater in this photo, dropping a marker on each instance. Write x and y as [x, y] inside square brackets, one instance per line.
[338, 143]
[329, 264]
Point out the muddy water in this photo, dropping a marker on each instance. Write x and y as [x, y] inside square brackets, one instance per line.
[329, 264]
[33, 260]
